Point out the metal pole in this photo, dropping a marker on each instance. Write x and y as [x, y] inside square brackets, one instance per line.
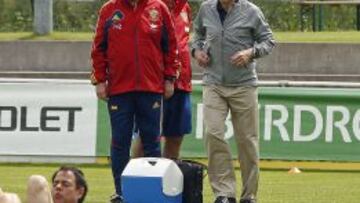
[321, 17]
[358, 17]
[302, 26]
[314, 18]
[261, 83]
[43, 17]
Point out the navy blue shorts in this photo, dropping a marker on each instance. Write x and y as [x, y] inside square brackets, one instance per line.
[177, 114]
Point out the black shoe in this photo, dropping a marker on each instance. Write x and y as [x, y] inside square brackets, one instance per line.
[222, 199]
[247, 201]
[116, 199]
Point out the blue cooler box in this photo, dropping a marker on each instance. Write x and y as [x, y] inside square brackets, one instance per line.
[152, 180]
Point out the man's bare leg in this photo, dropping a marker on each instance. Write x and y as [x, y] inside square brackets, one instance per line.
[137, 148]
[38, 190]
[172, 147]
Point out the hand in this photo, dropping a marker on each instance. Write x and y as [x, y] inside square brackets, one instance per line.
[201, 57]
[242, 58]
[101, 91]
[169, 89]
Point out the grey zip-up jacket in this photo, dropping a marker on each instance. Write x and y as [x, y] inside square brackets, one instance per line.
[244, 27]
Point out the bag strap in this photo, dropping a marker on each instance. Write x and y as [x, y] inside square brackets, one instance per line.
[194, 162]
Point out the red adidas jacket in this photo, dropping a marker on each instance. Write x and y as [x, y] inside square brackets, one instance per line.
[134, 48]
[181, 13]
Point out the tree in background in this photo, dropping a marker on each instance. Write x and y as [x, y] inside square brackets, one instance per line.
[70, 16]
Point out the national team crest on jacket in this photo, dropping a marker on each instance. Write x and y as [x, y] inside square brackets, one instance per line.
[153, 15]
[154, 18]
[116, 19]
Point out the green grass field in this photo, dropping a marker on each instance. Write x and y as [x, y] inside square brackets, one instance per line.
[308, 37]
[276, 186]
[334, 183]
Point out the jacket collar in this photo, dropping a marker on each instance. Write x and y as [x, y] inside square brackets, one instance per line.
[129, 3]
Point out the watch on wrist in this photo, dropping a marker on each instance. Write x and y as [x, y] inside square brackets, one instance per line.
[170, 78]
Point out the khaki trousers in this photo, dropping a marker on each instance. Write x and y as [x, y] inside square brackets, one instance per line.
[242, 103]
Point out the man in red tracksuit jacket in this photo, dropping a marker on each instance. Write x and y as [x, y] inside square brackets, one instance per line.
[134, 59]
[177, 109]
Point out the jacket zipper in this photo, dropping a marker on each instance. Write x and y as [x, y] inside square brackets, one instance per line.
[222, 53]
[137, 53]
[223, 28]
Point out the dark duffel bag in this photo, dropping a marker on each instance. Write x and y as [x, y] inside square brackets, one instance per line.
[193, 173]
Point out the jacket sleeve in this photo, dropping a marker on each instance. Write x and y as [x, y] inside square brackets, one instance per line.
[263, 37]
[98, 51]
[169, 47]
[199, 32]
[189, 12]
[179, 5]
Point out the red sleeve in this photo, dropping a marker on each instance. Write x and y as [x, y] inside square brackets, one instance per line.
[188, 9]
[179, 5]
[98, 51]
[172, 63]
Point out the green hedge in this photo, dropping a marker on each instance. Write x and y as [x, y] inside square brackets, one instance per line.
[16, 15]
[285, 16]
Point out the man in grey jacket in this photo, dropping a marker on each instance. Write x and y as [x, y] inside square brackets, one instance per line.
[229, 36]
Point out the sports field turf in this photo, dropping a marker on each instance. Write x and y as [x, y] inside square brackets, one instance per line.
[335, 183]
[276, 186]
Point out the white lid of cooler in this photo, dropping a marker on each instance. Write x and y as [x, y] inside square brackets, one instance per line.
[172, 177]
